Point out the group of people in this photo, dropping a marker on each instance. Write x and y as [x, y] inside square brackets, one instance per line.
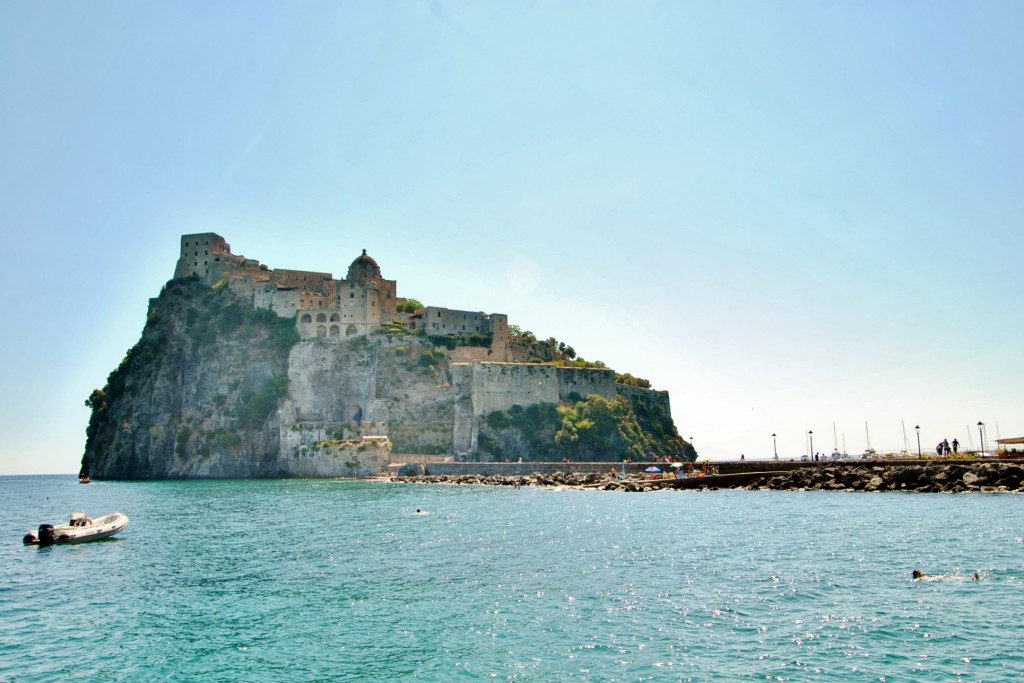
[944, 450]
[705, 469]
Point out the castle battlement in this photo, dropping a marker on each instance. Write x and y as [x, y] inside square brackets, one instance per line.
[325, 307]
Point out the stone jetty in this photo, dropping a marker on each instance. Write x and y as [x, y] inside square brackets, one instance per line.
[960, 476]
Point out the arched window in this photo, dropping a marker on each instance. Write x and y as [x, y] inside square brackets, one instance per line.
[335, 331]
[306, 318]
[321, 331]
[351, 331]
[321, 318]
[335, 317]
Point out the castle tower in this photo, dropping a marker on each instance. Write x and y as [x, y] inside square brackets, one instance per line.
[378, 293]
[199, 253]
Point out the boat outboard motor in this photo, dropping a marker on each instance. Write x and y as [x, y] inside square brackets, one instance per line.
[46, 537]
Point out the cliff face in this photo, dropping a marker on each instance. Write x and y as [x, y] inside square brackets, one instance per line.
[216, 389]
[197, 395]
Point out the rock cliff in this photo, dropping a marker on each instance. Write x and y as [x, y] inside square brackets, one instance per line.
[216, 388]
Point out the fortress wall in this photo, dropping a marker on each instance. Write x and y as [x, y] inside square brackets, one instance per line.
[285, 303]
[238, 272]
[301, 279]
[468, 354]
[518, 354]
[446, 321]
[499, 386]
[464, 427]
[586, 381]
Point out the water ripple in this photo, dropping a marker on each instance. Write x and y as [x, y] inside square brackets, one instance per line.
[342, 581]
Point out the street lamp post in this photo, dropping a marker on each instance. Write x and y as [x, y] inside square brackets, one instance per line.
[810, 435]
[981, 435]
[775, 446]
[918, 430]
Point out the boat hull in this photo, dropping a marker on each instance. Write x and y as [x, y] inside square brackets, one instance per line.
[100, 528]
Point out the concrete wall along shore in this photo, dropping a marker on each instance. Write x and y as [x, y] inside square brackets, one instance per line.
[967, 475]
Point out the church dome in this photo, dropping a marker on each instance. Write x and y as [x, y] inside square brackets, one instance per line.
[364, 268]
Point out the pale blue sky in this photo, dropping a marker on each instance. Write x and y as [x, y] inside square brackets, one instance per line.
[787, 214]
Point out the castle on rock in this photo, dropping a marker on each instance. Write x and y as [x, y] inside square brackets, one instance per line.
[335, 309]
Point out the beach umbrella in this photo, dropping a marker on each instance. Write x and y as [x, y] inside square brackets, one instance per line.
[652, 469]
[677, 465]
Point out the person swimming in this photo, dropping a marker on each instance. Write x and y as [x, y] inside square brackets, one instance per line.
[919, 575]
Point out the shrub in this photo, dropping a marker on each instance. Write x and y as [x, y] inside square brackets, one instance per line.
[411, 306]
[255, 406]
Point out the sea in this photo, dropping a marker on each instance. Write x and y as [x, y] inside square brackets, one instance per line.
[322, 580]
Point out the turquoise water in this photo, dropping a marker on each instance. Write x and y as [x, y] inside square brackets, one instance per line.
[342, 581]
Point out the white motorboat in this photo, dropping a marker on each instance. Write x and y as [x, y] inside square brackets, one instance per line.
[80, 529]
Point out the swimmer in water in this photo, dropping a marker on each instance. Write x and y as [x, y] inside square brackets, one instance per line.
[919, 575]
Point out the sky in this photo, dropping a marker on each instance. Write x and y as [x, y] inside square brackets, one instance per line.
[794, 217]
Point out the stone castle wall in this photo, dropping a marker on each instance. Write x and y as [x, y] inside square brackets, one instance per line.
[285, 303]
[300, 279]
[499, 386]
[586, 381]
[438, 321]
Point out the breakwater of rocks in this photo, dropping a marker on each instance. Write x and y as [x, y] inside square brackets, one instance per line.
[923, 477]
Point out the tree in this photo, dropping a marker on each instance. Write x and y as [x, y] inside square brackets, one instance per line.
[411, 306]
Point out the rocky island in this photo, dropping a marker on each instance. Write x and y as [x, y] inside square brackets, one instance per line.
[246, 371]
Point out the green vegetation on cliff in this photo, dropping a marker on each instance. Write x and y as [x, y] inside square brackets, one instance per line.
[216, 312]
[532, 427]
[596, 428]
[205, 377]
[591, 429]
